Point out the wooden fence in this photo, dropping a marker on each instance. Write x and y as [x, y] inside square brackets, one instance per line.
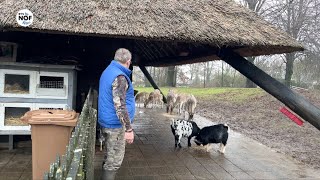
[78, 161]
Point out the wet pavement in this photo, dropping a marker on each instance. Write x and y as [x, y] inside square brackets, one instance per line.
[16, 164]
[153, 156]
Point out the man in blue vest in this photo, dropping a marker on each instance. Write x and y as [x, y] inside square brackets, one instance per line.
[116, 109]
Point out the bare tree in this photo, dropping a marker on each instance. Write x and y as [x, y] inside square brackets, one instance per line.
[209, 69]
[172, 76]
[256, 6]
[222, 73]
[296, 18]
[192, 71]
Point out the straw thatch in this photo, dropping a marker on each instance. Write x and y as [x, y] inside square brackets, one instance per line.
[218, 24]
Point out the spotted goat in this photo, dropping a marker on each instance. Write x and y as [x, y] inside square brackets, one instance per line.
[213, 134]
[182, 128]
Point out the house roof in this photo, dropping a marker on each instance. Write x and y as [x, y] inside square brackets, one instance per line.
[170, 27]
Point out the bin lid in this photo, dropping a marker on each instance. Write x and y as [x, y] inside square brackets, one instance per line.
[54, 117]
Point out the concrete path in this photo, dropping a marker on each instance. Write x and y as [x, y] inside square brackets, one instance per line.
[153, 156]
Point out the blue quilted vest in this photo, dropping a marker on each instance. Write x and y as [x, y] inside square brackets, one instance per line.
[107, 116]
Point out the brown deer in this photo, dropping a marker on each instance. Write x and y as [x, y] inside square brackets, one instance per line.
[190, 106]
[171, 99]
[154, 97]
[181, 99]
[141, 98]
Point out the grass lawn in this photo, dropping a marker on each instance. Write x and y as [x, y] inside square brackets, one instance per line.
[229, 94]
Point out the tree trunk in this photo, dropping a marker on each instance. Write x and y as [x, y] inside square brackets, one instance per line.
[289, 68]
[146, 82]
[222, 74]
[234, 77]
[191, 72]
[208, 74]
[175, 76]
[249, 83]
[171, 76]
[204, 75]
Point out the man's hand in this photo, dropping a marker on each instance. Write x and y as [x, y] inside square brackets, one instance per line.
[128, 136]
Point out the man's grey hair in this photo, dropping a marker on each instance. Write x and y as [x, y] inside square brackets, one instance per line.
[122, 55]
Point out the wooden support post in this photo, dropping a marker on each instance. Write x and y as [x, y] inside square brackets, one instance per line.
[154, 85]
[131, 68]
[10, 143]
[295, 102]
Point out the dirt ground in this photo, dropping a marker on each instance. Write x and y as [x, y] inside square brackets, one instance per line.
[259, 118]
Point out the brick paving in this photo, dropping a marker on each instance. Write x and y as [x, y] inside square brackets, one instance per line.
[16, 164]
[153, 156]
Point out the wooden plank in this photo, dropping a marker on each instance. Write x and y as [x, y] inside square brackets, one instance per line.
[78, 161]
[295, 102]
[61, 100]
[206, 53]
[154, 85]
[37, 66]
[89, 155]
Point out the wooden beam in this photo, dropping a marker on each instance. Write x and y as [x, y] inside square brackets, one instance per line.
[147, 50]
[170, 61]
[161, 48]
[295, 102]
[143, 51]
[154, 85]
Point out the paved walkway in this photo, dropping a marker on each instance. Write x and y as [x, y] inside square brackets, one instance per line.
[153, 156]
[16, 164]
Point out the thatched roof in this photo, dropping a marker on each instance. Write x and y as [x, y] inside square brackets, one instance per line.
[211, 23]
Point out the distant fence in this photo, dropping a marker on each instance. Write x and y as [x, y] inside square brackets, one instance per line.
[77, 163]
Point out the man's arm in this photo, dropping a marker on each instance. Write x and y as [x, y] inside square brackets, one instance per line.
[119, 89]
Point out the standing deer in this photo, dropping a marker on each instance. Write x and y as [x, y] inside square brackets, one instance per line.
[171, 99]
[154, 97]
[181, 99]
[190, 106]
[141, 97]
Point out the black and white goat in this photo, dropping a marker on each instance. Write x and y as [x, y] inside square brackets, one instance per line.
[182, 128]
[213, 134]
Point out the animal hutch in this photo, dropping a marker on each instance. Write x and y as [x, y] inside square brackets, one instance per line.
[28, 86]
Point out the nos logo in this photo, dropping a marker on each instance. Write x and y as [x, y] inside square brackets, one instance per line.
[24, 17]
